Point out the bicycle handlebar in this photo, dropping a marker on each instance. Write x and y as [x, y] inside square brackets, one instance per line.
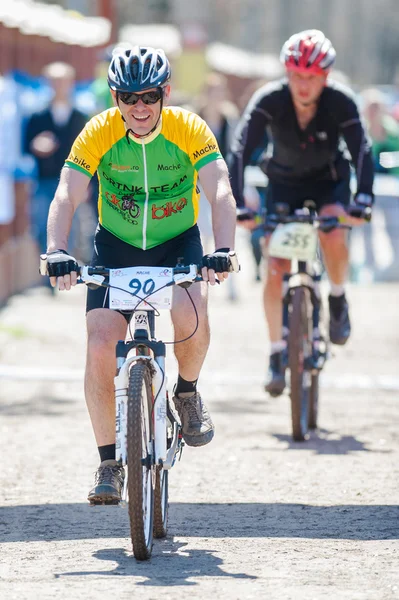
[87, 273]
[360, 212]
[324, 222]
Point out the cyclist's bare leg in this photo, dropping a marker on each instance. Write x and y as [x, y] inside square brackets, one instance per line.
[272, 299]
[104, 328]
[335, 247]
[272, 294]
[336, 259]
[191, 354]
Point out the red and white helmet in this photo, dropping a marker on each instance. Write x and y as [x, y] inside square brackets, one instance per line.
[308, 52]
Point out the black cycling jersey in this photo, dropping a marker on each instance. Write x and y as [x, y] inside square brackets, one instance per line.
[301, 156]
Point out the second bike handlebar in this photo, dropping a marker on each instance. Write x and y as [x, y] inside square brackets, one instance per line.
[324, 223]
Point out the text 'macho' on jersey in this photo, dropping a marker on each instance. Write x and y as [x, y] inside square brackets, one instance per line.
[148, 187]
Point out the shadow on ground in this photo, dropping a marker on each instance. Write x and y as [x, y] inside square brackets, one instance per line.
[37, 405]
[324, 441]
[235, 520]
[172, 563]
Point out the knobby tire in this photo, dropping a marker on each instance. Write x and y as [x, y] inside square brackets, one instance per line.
[161, 503]
[299, 345]
[140, 435]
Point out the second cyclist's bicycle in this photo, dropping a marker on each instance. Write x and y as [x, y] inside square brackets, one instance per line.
[294, 237]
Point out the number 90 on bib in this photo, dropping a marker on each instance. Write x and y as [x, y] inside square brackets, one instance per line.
[132, 284]
[294, 241]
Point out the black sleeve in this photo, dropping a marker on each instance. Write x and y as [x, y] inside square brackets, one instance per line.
[250, 133]
[353, 131]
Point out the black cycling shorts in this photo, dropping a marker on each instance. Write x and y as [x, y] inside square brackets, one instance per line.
[111, 252]
[321, 192]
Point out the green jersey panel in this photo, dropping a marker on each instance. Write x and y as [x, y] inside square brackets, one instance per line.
[148, 187]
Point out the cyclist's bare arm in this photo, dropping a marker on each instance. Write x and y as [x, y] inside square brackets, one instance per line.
[214, 179]
[71, 191]
[215, 182]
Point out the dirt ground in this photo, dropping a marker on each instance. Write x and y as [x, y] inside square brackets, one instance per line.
[252, 515]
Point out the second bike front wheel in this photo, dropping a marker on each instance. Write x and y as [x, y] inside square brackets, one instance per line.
[140, 459]
[299, 349]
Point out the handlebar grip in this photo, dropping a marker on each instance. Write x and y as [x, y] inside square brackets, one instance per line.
[235, 265]
[361, 212]
[245, 214]
[43, 265]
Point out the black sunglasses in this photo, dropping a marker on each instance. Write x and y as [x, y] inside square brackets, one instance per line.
[147, 97]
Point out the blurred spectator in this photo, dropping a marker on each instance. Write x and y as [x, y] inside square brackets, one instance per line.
[8, 149]
[48, 138]
[382, 127]
[221, 115]
[248, 92]
[255, 197]
[217, 110]
[99, 87]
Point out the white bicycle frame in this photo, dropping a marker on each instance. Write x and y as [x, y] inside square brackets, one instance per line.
[163, 456]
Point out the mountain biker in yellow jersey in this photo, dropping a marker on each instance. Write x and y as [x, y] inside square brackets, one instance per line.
[305, 117]
[148, 158]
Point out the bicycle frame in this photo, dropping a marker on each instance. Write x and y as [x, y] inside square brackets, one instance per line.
[143, 346]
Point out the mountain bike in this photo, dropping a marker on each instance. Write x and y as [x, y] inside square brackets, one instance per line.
[294, 237]
[148, 433]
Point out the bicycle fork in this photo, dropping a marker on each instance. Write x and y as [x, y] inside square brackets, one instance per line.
[163, 455]
[121, 382]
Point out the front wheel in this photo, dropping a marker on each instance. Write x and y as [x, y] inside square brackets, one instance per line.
[140, 459]
[299, 351]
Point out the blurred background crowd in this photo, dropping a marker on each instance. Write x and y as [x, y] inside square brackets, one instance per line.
[53, 63]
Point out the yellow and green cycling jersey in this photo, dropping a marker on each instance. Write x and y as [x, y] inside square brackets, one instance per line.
[148, 191]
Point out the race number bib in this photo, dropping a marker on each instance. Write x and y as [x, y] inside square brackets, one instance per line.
[130, 286]
[294, 241]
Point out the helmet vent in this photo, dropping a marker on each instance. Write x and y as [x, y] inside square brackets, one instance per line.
[134, 69]
[146, 68]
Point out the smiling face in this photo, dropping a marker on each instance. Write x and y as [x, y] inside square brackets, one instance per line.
[305, 87]
[141, 118]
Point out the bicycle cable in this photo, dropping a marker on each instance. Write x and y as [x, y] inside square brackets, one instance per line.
[156, 311]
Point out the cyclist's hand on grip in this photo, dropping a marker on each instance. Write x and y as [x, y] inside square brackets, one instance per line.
[246, 217]
[222, 262]
[364, 200]
[62, 269]
[361, 211]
